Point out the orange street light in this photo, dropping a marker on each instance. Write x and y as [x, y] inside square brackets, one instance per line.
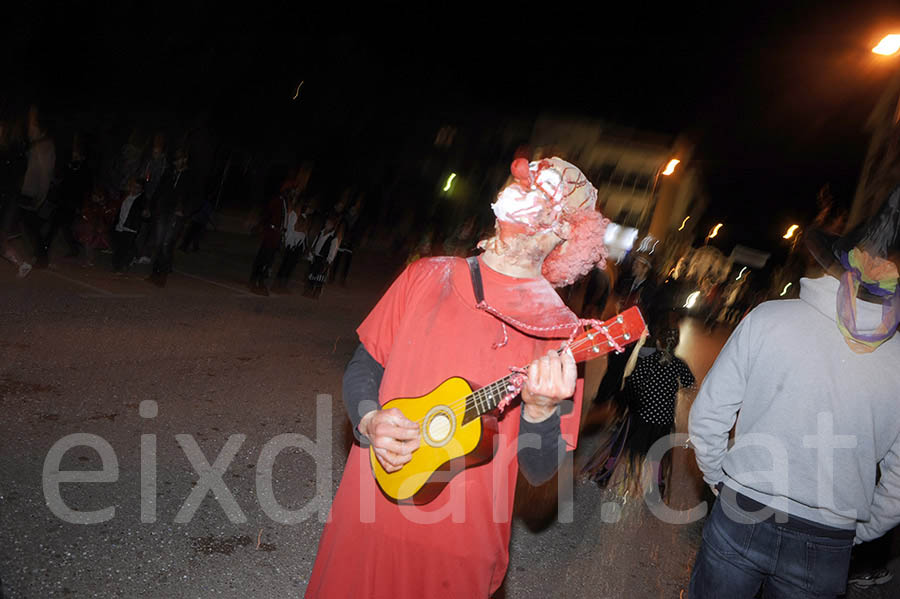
[684, 222]
[888, 45]
[790, 232]
[670, 167]
[712, 233]
[661, 170]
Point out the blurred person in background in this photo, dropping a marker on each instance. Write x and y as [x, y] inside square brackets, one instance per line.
[151, 173]
[198, 219]
[132, 213]
[322, 252]
[128, 161]
[97, 219]
[295, 242]
[76, 185]
[13, 162]
[353, 229]
[653, 377]
[271, 231]
[637, 288]
[37, 184]
[154, 166]
[168, 211]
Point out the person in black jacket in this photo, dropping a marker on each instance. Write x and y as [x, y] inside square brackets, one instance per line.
[171, 197]
[76, 184]
[638, 288]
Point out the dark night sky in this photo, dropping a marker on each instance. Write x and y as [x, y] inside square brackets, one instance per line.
[774, 97]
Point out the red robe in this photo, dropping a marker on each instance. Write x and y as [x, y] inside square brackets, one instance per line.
[424, 330]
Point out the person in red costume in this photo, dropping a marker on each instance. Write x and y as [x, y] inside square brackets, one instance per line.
[431, 325]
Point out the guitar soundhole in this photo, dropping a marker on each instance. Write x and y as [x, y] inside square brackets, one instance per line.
[439, 427]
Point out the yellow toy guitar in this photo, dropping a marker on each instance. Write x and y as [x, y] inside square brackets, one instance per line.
[456, 426]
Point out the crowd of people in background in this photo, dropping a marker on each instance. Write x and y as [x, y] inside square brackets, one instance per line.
[140, 203]
[304, 230]
[132, 207]
[143, 203]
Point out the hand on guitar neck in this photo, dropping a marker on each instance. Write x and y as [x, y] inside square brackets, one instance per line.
[551, 379]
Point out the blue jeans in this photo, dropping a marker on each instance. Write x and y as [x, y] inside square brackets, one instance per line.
[739, 556]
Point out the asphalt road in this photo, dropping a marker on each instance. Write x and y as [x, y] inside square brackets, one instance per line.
[213, 376]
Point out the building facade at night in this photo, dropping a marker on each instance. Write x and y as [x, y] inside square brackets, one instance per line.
[627, 168]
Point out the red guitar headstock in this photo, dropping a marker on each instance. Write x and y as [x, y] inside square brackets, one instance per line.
[624, 328]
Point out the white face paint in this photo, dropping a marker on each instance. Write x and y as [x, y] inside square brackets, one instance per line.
[518, 204]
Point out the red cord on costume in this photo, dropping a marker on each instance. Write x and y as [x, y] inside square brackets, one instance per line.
[520, 374]
[516, 382]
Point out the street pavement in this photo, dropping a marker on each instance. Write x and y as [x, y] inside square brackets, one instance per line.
[214, 376]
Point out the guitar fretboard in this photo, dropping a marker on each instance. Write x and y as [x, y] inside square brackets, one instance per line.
[598, 339]
[485, 399]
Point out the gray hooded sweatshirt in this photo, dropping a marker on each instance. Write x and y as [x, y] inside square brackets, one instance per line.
[813, 417]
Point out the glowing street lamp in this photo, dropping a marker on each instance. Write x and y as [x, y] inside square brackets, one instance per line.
[714, 231]
[692, 300]
[790, 232]
[684, 222]
[449, 181]
[670, 167]
[888, 46]
[666, 170]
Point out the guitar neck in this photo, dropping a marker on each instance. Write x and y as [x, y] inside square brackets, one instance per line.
[487, 398]
[597, 340]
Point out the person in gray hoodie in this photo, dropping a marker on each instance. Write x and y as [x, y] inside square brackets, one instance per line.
[811, 387]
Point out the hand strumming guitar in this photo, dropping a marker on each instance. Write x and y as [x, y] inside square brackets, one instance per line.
[551, 379]
[393, 436]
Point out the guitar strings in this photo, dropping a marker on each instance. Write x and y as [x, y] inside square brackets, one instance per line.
[577, 346]
[464, 402]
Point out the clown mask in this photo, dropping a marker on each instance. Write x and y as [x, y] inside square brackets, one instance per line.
[552, 195]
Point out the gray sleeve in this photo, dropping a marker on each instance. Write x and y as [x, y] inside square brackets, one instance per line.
[885, 510]
[539, 448]
[715, 409]
[362, 379]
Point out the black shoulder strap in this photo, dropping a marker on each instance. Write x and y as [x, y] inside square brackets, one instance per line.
[477, 285]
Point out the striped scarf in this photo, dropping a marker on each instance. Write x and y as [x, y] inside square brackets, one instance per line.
[879, 277]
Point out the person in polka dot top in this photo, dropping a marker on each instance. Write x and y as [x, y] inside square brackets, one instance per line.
[651, 392]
